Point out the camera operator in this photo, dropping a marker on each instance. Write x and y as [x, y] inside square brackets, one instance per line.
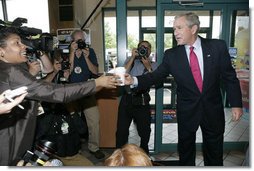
[84, 66]
[38, 53]
[135, 105]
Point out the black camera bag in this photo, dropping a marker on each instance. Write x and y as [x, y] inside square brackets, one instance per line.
[49, 128]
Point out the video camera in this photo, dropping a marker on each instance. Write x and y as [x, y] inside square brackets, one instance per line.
[43, 43]
[44, 150]
[142, 52]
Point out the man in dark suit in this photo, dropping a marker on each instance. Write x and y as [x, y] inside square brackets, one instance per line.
[199, 101]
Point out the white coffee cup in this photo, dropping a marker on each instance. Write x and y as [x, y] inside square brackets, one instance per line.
[120, 71]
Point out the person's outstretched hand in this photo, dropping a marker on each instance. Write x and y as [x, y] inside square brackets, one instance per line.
[128, 79]
[107, 82]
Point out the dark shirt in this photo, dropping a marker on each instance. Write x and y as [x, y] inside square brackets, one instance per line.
[81, 71]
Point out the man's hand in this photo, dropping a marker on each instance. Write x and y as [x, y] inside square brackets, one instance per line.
[147, 63]
[74, 46]
[128, 79]
[134, 53]
[237, 112]
[86, 52]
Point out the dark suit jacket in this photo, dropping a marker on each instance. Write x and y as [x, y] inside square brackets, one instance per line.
[17, 128]
[193, 106]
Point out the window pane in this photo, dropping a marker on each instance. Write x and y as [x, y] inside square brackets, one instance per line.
[132, 30]
[110, 39]
[65, 2]
[216, 25]
[23, 9]
[168, 40]
[148, 18]
[204, 17]
[66, 13]
[151, 37]
[1, 11]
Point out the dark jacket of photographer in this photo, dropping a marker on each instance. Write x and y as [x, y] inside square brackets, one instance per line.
[81, 71]
[17, 128]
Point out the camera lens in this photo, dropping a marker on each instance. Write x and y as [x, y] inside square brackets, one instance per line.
[45, 146]
[81, 44]
[43, 151]
[142, 51]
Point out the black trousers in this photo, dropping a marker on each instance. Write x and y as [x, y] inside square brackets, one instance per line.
[141, 116]
[212, 146]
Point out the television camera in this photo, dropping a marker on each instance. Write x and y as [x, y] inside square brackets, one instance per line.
[44, 43]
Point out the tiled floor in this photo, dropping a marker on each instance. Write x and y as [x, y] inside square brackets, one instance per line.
[235, 131]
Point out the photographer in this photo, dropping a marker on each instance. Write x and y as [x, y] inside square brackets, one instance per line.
[61, 70]
[135, 105]
[17, 127]
[84, 66]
